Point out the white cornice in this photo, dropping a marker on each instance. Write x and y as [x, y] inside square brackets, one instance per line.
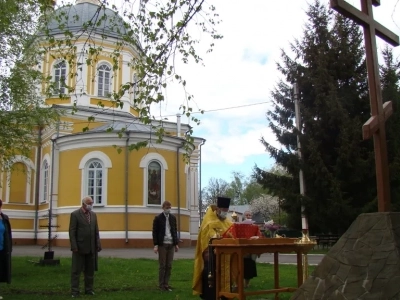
[109, 139]
[120, 209]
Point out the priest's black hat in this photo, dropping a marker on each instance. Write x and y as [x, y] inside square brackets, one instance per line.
[223, 202]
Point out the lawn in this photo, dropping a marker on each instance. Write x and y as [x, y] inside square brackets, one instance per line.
[132, 279]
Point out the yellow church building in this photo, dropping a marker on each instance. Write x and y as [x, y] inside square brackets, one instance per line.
[128, 187]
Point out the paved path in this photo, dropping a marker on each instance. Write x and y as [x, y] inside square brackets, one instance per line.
[184, 253]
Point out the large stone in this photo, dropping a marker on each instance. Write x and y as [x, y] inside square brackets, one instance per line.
[363, 264]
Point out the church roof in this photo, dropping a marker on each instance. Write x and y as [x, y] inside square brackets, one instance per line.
[89, 16]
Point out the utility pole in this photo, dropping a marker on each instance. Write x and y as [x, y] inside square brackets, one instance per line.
[304, 221]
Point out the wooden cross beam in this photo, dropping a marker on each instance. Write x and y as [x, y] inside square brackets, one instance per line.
[375, 126]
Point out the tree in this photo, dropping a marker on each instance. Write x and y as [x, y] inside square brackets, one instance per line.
[21, 111]
[241, 190]
[338, 165]
[215, 188]
[267, 206]
[390, 74]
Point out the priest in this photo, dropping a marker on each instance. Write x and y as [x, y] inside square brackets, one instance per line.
[214, 219]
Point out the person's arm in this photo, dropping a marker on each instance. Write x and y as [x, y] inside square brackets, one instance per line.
[73, 226]
[174, 231]
[9, 233]
[98, 244]
[155, 234]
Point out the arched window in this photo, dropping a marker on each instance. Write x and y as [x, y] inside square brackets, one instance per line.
[154, 168]
[94, 166]
[104, 81]
[44, 191]
[60, 75]
[20, 181]
[94, 181]
[154, 183]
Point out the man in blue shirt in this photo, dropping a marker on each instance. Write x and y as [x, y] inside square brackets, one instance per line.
[5, 247]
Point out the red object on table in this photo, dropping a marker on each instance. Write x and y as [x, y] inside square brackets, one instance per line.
[244, 231]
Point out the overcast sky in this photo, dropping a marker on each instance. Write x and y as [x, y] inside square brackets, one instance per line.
[241, 72]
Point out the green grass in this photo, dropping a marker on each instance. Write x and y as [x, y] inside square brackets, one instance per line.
[132, 279]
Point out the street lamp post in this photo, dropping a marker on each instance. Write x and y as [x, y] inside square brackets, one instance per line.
[49, 254]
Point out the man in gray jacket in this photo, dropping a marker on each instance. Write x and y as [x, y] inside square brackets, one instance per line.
[85, 243]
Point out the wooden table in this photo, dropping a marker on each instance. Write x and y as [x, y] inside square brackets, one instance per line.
[242, 247]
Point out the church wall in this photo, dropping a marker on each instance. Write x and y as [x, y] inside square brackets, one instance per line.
[57, 100]
[133, 111]
[112, 229]
[112, 217]
[22, 224]
[18, 184]
[79, 124]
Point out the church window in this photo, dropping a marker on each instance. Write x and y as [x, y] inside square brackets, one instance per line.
[154, 173]
[104, 81]
[95, 181]
[60, 75]
[154, 183]
[94, 166]
[45, 182]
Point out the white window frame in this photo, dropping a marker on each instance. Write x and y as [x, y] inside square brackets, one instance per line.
[101, 82]
[59, 86]
[144, 164]
[84, 165]
[45, 184]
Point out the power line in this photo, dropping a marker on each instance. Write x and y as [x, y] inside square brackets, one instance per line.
[220, 109]
[195, 112]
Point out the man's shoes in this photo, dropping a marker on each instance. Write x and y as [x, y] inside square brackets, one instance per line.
[1, 297]
[90, 293]
[168, 288]
[75, 295]
[162, 288]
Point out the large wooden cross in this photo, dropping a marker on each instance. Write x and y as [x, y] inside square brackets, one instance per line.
[375, 126]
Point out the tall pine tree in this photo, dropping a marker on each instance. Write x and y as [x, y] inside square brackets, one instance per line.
[338, 166]
[390, 75]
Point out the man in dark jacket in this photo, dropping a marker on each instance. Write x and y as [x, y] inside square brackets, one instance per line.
[5, 248]
[85, 243]
[165, 239]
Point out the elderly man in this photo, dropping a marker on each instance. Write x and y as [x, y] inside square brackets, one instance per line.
[215, 217]
[85, 243]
